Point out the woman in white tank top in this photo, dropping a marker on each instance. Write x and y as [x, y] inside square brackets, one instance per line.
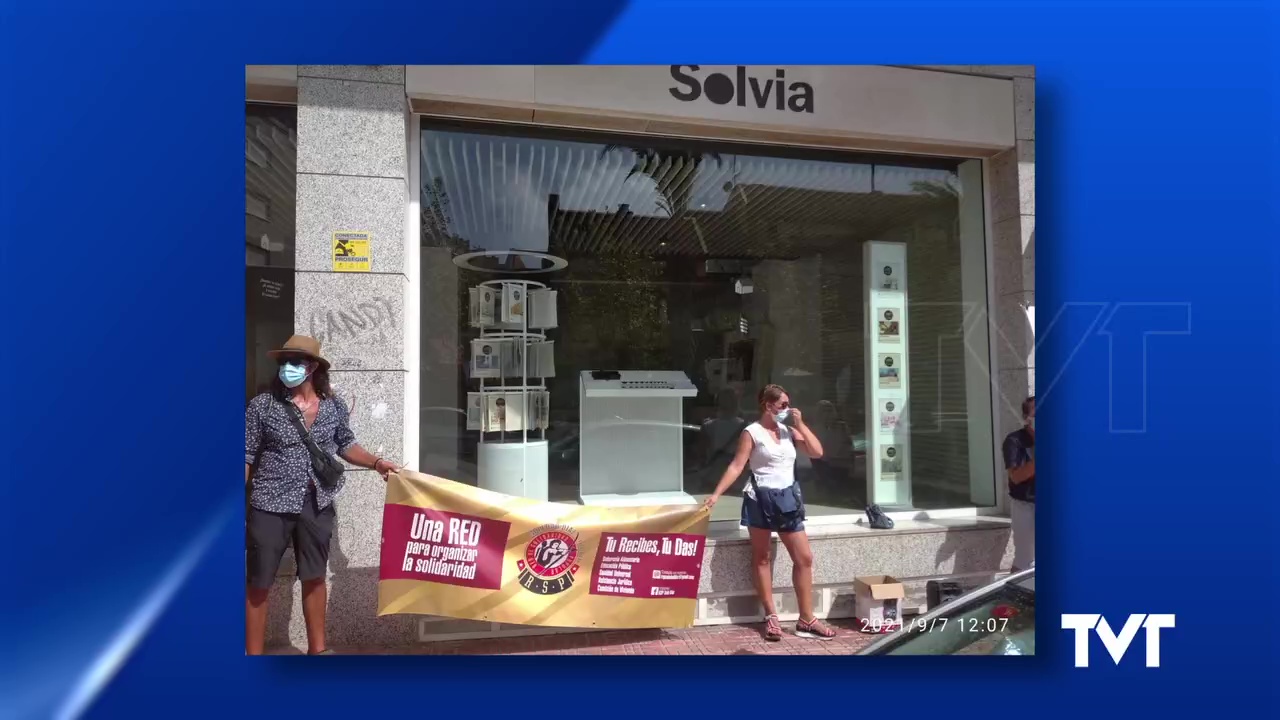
[772, 503]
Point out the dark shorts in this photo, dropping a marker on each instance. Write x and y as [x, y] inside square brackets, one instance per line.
[752, 518]
[269, 533]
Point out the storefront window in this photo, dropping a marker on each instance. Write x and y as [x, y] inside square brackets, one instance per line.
[715, 269]
[270, 154]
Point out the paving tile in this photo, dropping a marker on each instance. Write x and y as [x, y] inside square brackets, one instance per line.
[708, 640]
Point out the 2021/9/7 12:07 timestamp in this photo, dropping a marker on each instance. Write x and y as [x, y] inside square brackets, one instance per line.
[972, 625]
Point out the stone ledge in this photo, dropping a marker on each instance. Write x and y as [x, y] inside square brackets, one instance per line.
[738, 535]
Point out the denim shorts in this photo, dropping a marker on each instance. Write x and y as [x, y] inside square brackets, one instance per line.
[751, 516]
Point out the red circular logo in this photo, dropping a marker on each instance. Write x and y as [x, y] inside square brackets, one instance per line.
[1004, 611]
[551, 554]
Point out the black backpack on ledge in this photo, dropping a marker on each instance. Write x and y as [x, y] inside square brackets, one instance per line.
[877, 519]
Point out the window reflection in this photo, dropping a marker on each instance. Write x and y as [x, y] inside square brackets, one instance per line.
[736, 268]
[270, 213]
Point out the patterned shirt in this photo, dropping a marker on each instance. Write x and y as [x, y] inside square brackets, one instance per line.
[283, 474]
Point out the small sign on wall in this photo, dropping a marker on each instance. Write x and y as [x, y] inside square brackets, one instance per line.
[351, 251]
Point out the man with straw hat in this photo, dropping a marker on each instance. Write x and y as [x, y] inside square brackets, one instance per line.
[291, 435]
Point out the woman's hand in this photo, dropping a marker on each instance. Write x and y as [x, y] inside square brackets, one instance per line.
[710, 502]
[806, 438]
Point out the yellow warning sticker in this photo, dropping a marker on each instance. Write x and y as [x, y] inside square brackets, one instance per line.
[351, 251]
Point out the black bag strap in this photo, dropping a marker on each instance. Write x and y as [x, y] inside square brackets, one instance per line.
[295, 415]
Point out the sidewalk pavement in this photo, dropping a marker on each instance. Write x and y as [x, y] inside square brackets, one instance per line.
[703, 640]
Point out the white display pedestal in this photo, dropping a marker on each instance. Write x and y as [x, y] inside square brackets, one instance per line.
[632, 439]
[514, 468]
[641, 499]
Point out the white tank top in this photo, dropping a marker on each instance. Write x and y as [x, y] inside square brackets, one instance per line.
[773, 462]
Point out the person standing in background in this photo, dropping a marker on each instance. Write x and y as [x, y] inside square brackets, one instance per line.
[1020, 465]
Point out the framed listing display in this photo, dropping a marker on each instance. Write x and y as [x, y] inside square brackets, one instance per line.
[890, 413]
[889, 376]
[890, 371]
[888, 326]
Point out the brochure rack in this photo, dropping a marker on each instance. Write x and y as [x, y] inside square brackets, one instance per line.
[510, 361]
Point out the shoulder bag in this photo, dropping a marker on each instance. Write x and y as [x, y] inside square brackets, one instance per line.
[779, 508]
[326, 467]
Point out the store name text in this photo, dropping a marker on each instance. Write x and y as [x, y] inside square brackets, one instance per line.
[721, 89]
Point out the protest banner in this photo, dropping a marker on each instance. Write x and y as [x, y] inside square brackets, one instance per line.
[458, 551]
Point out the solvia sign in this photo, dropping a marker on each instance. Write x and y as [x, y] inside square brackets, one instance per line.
[761, 93]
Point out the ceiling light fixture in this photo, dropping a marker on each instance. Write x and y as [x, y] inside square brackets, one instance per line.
[519, 262]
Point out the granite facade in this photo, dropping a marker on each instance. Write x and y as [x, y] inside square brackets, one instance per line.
[352, 175]
[357, 541]
[1024, 108]
[359, 317]
[1013, 182]
[942, 550]
[375, 400]
[1012, 177]
[1014, 342]
[348, 127]
[329, 203]
[1014, 247]
[392, 74]
[1015, 385]
[351, 613]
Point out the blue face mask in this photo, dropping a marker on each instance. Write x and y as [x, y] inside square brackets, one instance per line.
[293, 374]
[781, 416]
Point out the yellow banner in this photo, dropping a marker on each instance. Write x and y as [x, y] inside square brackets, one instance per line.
[458, 551]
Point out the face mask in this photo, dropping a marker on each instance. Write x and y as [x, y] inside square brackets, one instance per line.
[782, 415]
[293, 375]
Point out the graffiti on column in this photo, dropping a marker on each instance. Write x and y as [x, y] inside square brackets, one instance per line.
[367, 320]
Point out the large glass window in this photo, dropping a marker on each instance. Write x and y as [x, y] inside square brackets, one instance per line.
[270, 156]
[732, 266]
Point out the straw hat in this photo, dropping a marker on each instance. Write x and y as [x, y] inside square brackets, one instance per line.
[301, 345]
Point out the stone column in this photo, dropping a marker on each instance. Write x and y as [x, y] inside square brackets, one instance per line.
[1013, 206]
[353, 174]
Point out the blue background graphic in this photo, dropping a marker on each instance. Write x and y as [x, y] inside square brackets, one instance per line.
[122, 330]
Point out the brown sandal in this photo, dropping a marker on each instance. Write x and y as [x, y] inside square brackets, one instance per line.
[815, 629]
[772, 628]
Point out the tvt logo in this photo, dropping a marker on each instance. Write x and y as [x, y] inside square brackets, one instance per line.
[1117, 645]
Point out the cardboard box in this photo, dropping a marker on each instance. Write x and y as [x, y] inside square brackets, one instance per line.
[877, 601]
